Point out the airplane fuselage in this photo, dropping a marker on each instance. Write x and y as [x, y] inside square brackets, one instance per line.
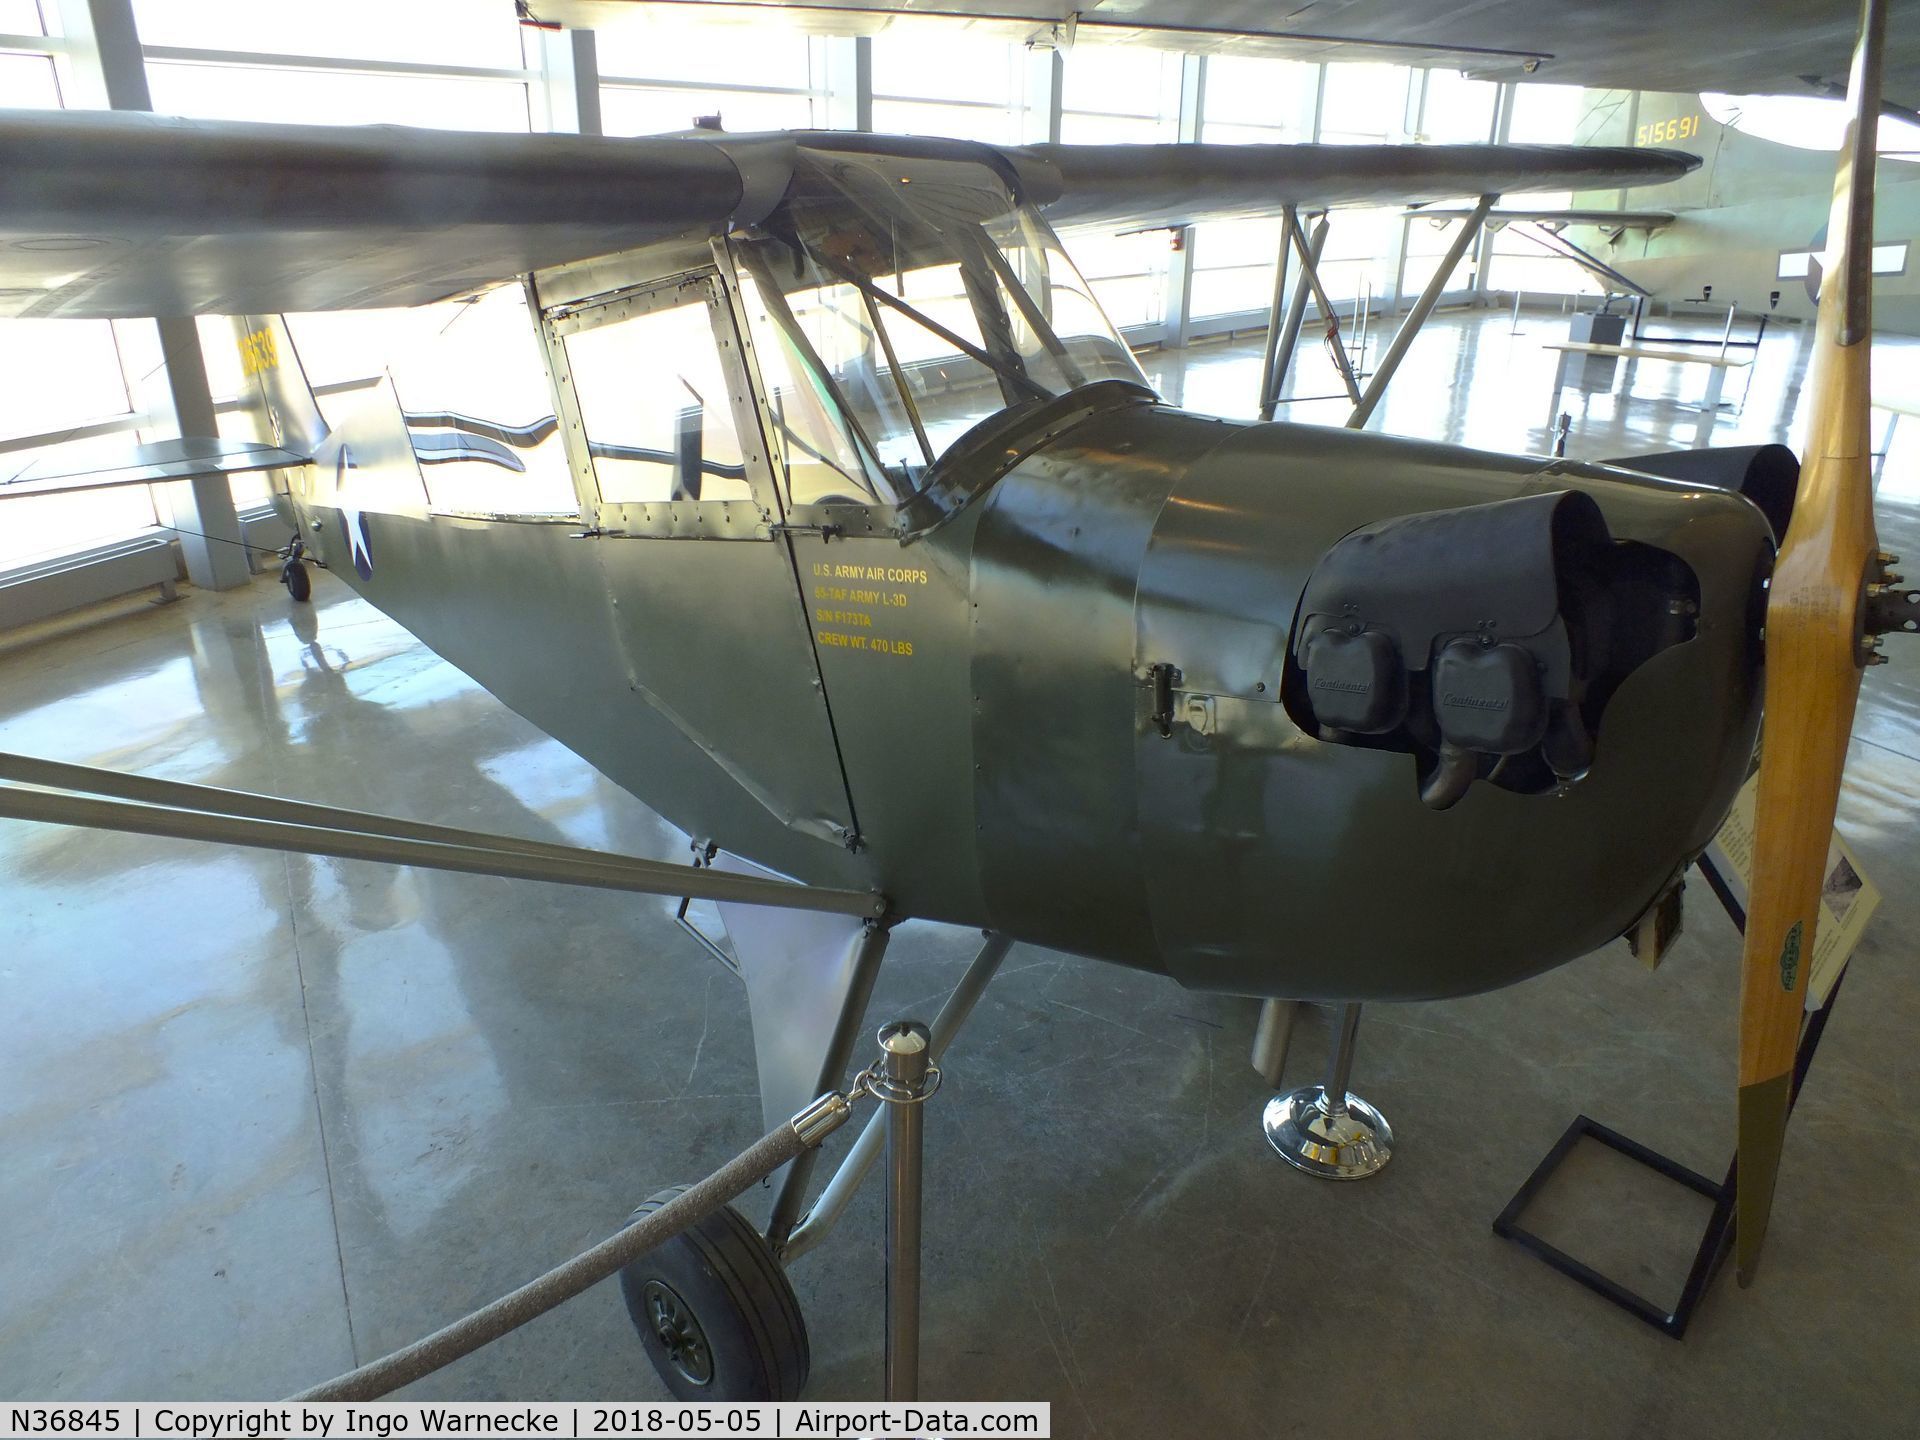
[963, 721]
[1054, 686]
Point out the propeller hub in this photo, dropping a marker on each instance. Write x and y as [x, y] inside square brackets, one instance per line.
[1885, 608]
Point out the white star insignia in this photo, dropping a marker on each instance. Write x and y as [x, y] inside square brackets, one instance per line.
[351, 518]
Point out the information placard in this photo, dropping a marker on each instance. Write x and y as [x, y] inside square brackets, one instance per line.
[1847, 898]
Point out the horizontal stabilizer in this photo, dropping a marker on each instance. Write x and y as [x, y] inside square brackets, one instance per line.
[88, 466]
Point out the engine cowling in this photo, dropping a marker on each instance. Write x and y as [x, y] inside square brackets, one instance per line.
[1279, 838]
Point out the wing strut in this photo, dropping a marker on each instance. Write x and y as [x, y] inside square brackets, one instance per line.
[1417, 316]
[142, 805]
[1310, 266]
[1548, 238]
[1282, 340]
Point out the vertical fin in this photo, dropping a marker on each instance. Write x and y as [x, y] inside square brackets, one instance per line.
[279, 399]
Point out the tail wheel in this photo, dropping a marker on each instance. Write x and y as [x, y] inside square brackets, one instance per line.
[715, 1313]
[298, 580]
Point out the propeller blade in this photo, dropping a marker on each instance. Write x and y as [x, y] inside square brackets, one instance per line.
[1816, 649]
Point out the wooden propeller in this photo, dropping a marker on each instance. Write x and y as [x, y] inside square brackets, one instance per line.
[1816, 647]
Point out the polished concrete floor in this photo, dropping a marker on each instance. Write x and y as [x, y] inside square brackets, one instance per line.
[262, 1117]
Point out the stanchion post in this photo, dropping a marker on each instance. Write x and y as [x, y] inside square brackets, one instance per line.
[1324, 1129]
[1340, 1061]
[906, 1047]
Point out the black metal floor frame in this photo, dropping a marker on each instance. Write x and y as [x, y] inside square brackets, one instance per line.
[1718, 1237]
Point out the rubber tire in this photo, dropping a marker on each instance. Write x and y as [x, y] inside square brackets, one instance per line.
[298, 580]
[725, 1273]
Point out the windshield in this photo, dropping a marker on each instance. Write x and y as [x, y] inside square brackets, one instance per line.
[896, 303]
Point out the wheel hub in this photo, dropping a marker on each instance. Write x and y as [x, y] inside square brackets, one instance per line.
[679, 1333]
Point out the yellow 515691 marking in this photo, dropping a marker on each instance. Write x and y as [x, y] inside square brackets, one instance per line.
[258, 352]
[1659, 132]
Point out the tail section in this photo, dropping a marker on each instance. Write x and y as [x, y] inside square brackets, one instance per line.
[280, 402]
[279, 397]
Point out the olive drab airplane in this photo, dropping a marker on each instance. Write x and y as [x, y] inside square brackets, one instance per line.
[856, 544]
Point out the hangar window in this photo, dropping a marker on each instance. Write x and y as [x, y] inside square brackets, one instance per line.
[1457, 110]
[320, 97]
[659, 69]
[243, 60]
[1249, 101]
[442, 32]
[21, 17]
[931, 78]
[29, 80]
[654, 396]
[1365, 103]
[57, 376]
[1128, 274]
[1119, 94]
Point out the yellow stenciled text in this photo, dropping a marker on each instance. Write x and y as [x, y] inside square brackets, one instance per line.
[258, 352]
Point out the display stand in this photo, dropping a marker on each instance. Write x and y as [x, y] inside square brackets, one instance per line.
[1715, 1243]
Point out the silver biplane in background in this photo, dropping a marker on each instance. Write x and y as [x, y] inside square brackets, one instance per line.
[876, 566]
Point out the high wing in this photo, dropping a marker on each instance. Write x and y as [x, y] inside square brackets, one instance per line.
[113, 214]
[1145, 185]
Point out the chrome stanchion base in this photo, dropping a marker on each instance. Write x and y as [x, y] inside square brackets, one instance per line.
[1349, 1143]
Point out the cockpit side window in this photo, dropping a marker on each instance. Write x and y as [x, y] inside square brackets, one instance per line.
[1058, 325]
[655, 396]
[472, 394]
[814, 381]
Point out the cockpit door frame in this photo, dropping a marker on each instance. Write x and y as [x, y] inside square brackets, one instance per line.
[692, 623]
[868, 517]
[757, 518]
[766, 433]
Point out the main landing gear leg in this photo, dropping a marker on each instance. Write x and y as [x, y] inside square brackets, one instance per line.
[712, 1305]
[1324, 1130]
